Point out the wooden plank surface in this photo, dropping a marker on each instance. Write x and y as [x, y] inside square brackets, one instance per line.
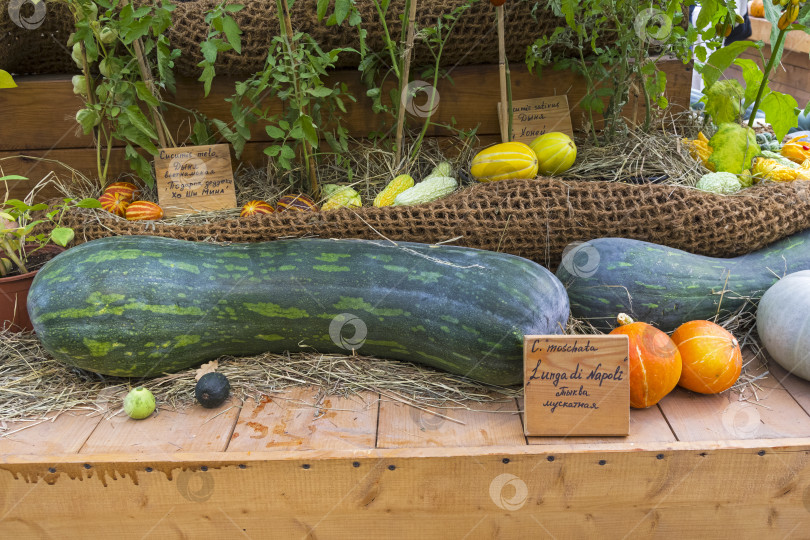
[42, 109]
[698, 417]
[798, 388]
[194, 429]
[302, 420]
[63, 434]
[489, 424]
[730, 493]
[646, 426]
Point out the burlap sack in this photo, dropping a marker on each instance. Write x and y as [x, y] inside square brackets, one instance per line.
[474, 39]
[535, 219]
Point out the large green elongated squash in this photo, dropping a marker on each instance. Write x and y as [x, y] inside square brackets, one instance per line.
[667, 287]
[141, 306]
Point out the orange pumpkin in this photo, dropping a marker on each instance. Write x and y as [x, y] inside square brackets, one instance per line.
[144, 211]
[711, 357]
[299, 202]
[125, 189]
[256, 207]
[796, 150]
[756, 9]
[114, 203]
[655, 363]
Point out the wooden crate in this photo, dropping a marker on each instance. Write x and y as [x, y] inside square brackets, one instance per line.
[368, 466]
[38, 117]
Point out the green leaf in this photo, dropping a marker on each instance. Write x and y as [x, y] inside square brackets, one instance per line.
[209, 51]
[287, 152]
[206, 78]
[88, 203]
[319, 91]
[18, 177]
[310, 133]
[6, 80]
[273, 151]
[781, 112]
[721, 59]
[723, 101]
[733, 148]
[342, 8]
[232, 33]
[145, 95]
[752, 76]
[274, 132]
[321, 8]
[62, 235]
[137, 118]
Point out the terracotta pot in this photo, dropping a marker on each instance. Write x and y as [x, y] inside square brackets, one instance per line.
[14, 297]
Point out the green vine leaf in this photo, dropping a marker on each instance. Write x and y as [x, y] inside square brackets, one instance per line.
[723, 101]
[781, 112]
[721, 59]
[752, 75]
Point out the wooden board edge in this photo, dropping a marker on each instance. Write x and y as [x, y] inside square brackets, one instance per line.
[189, 459]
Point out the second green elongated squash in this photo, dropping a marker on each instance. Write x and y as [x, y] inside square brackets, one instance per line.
[140, 306]
[666, 287]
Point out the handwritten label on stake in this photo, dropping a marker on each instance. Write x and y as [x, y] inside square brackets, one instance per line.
[576, 385]
[195, 178]
[534, 117]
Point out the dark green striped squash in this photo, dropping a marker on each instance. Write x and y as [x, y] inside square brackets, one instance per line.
[666, 287]
[140, 306]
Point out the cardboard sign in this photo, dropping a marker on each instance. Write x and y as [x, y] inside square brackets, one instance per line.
[195, 178]
[534, 117]
[576, 385]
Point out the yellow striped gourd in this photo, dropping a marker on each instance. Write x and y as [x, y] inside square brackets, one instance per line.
[395, 187]
[503, 162]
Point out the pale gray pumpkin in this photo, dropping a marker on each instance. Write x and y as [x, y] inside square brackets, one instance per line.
[783, 323]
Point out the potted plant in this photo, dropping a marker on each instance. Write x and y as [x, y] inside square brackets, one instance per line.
[30, 235]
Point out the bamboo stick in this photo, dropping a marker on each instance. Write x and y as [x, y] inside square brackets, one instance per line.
[506, 110]
[287, 30]
[404, 79]
[146, 75]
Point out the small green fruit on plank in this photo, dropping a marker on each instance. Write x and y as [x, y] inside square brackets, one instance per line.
[667, 287]
[783, 323]
[141, 306]
[139, 403]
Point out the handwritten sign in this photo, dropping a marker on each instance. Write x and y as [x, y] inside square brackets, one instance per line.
[576, 385]
[195, 178]
[534, 117]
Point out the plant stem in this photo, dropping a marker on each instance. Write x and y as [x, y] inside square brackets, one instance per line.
[765, 74]
[6, 246]
[403, 81]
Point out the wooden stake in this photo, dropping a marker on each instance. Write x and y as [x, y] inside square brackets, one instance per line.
[404, 79]
[146, 75]
[506, 110]
[287, 31]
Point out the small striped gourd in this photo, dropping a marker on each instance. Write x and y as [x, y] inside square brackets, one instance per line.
[144, 211]
[503, 162]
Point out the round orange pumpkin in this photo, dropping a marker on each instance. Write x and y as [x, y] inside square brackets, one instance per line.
[711, 357]
[144, 211]
[655, 363]
[254, 208]
[114, 203]
[756, 9]
[125, 189]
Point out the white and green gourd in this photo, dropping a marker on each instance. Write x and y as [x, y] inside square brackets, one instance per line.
[427, 190]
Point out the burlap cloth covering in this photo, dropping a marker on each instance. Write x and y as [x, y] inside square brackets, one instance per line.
[535, 219]
[474, 39]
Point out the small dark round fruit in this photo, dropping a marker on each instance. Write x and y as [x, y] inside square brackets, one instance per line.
[212, 390]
